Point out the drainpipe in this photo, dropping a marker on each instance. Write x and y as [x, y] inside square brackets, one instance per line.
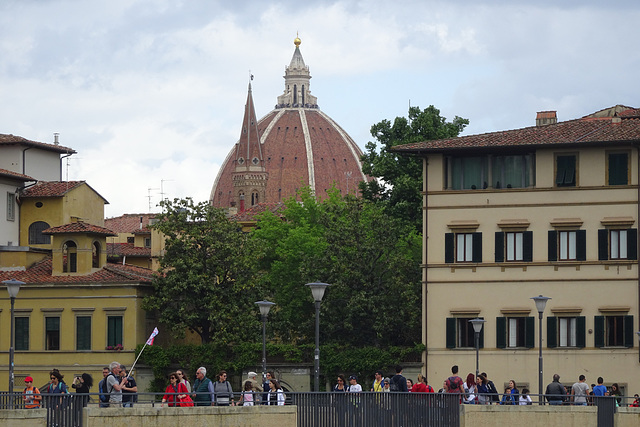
[24, 160]
[425, 289]
[638, 242]
[61, 159]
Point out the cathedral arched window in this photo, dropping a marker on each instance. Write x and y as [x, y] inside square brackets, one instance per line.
[69, 257]
[35, 233]
[295, 94]
[303, 95]
[254, 198]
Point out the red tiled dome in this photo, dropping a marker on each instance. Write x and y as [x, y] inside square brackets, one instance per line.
[299, 146]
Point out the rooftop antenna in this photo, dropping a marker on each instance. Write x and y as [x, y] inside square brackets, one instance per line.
[162, 193]
[149, 196]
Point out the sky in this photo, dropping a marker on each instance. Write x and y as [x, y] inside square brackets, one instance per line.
[151, 93]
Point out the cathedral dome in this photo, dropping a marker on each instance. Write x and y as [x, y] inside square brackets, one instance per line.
[294, 145]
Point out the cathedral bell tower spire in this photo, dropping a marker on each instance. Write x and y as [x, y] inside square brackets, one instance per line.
[249, 176]
[296, 83]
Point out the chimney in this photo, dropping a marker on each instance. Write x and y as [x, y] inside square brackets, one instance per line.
[545, 118]
[241, 203]
[55, 138]
[140, 223]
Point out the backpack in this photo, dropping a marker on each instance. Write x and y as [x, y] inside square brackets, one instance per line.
[429, 389]
[453, 384]
[393, 386]
[105, 389]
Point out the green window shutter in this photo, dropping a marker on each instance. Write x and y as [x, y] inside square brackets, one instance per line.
[527, 246]
[632, 243]
[581, 328]
[581, 245]
[603, 244]
[21, 333]
[618, 169]
[499, 246]
[552, 332]
[451, 332]
[501, 332]
[629, 332]
[477, 247]
[530, 332]
[83, 333]
[481, 337]
[598, 328]
[114, 330]
[553, 245]
[448, 248]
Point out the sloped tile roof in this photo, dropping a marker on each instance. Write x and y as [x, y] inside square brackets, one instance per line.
[55, 189]
[128, 223]
[79, 227]
[595, 129]
[18, 140]
[127, 249]
[251, 213]
[40, 273]
[15, 175]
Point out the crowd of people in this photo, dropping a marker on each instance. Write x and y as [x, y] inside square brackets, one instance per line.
[118, 389]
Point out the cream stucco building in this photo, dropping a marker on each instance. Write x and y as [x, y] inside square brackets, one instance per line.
[548, 210]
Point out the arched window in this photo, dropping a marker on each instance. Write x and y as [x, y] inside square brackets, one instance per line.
[35, 234]
[69, 257]
[96, 255]
[254, 198]
[303, 95]
[295, 94]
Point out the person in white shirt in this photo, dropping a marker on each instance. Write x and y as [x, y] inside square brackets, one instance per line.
[525, 399]
[276, 394]
[354, 387]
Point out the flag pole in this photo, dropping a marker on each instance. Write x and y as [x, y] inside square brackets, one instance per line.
[148, 342]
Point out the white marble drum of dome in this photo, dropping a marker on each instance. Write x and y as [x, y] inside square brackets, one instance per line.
[295, 144]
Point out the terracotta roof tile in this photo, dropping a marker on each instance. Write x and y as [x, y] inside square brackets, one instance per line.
[18, 140]
[54, 189]
[621, 129]
[127, 249]
[128, 223]
[79, 227]
[15, 175]
[40, 273]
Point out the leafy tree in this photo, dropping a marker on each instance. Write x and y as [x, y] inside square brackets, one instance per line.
[207, 282]
[371, 260]
[400, 176]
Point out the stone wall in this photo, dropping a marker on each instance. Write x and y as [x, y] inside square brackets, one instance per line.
[23, 417]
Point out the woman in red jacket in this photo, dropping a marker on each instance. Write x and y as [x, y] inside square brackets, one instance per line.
[175, 387]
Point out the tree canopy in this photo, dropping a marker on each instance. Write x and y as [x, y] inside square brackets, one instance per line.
[400, 177]
[371, 259]
[207, 273]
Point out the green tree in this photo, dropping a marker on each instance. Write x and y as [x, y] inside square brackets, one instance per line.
[207, 274]
[400, 177]
[371, 259]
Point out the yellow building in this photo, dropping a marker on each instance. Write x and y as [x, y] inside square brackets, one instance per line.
[133, 241]
[547, 210]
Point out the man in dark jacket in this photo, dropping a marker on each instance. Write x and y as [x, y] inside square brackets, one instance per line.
[555, 392]
[398, 382]
[202, 388]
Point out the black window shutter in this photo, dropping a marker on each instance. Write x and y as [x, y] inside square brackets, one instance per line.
[581, 245]
[499, 246]
[477, 247]
[553, 245]
[451, 332]
[598, 328]
[629, 332]
[527, 246]
[448, 248]
[529, 333]
[501, 332]
[632, 243]
[581, 328]
[481, 339]
[552, 332]
[603, 244]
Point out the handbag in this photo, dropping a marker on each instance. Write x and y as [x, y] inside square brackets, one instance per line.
[185, 401]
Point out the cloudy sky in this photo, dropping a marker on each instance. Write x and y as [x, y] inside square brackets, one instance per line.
[150, 93]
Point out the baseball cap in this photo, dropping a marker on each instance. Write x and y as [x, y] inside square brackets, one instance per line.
[30, 379]
[353, 377]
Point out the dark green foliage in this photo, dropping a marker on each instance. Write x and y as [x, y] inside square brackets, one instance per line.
[401, 174]
[208, 271]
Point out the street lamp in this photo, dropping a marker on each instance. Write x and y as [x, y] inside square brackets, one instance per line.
[477, 328]
[541, 302]
[317, 289]
[13, 286]
[265, 306]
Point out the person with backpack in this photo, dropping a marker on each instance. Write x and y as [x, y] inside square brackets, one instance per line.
[455, 384]
[421, 386]
[398, 382]
[222, 391]
[494, 396]
[102, 388]
[31, 396]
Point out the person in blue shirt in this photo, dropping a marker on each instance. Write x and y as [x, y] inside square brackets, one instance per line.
[600, 390]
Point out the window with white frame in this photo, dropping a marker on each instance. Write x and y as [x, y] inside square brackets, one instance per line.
[464, 247]
[566, 330]
[617, 244]
[566, 245]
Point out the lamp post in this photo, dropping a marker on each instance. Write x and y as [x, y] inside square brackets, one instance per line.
[265, 306]
[541, 303]
[477, 328]
[13, 286]
[317, 289]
